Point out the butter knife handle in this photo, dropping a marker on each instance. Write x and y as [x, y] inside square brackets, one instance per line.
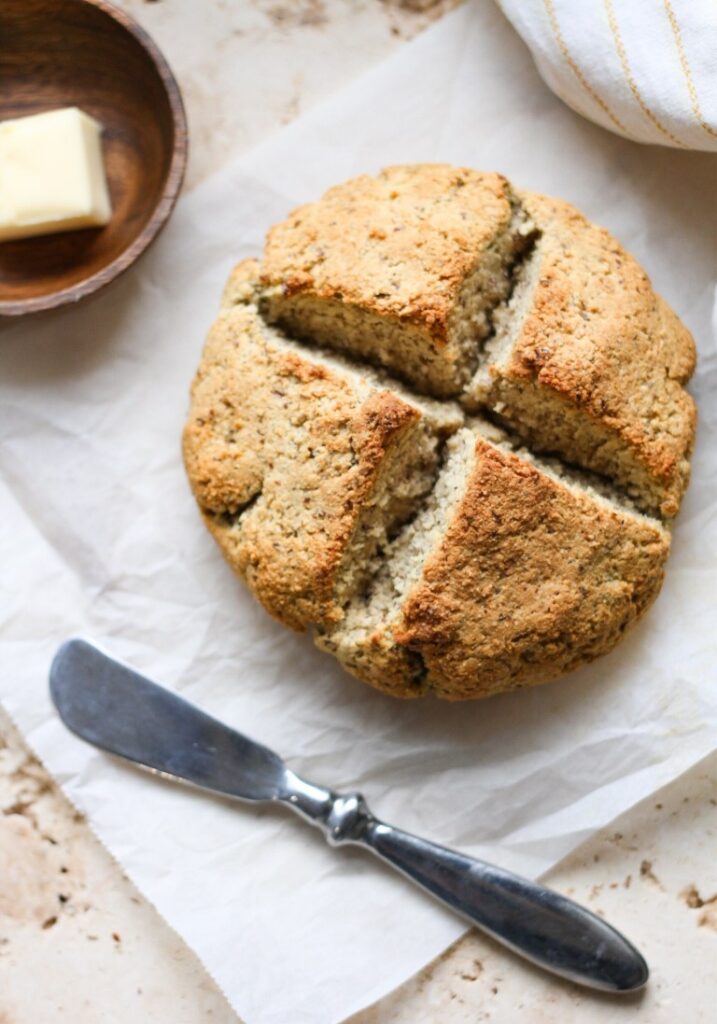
[536, 922]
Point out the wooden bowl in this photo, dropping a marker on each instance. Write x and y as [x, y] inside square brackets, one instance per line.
[89, 54]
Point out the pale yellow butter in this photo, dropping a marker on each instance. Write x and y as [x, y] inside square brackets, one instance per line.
[52, 175]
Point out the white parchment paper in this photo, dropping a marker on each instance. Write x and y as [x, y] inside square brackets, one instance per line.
[100, 536]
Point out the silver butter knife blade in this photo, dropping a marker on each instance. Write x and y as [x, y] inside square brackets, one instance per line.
[113, 707]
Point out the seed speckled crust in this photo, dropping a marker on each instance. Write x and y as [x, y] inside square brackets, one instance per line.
[422, 545]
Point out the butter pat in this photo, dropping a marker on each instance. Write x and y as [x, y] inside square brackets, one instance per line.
[52, 176]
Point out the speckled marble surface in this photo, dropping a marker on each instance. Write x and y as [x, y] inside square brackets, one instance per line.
[77, 943]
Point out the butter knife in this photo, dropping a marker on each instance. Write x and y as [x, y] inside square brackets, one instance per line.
[113, 707]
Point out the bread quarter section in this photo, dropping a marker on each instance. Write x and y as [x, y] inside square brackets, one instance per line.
[589, 363]
[401, 270]
[302, 465]
[512, 574]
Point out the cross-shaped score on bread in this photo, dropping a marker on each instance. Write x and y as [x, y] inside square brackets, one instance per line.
[440, 425]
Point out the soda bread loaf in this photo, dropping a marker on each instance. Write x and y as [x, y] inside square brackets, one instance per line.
[441, 425]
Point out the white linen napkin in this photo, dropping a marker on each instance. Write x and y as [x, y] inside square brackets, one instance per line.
[100, 535]
[646, 69]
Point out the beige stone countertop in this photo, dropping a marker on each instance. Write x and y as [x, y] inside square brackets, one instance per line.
[77, 942]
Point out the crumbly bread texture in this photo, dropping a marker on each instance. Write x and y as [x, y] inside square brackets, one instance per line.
[511, 574]
[402, 269]
[303, 465]
[587, 361]
[424, 546]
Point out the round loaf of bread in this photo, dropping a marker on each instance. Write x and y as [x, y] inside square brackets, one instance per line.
[441, 424]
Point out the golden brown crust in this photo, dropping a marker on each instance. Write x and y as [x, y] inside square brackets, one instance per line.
[242, 287]
[305, 469]
[596, 335]
[274, 430]
[386, 665]
[531, 580]
[399, 244]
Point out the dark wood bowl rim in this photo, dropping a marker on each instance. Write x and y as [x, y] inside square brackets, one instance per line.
[172, 185]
